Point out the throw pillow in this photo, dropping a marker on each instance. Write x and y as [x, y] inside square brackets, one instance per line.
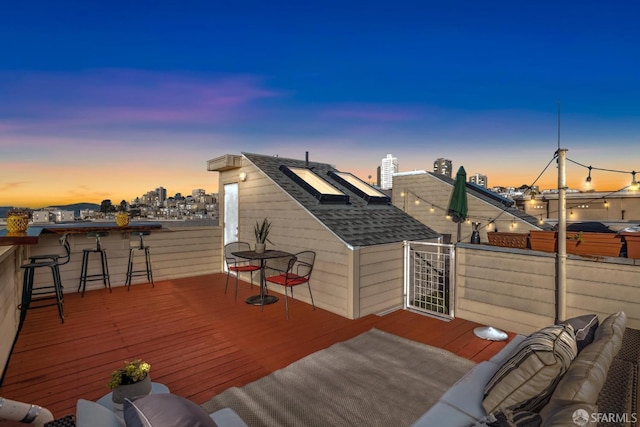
[584, 328]
[165, 410]
[93, 414]
[508, 418]
[527, 379]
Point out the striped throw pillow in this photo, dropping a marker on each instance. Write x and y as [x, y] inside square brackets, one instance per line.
[527, 379]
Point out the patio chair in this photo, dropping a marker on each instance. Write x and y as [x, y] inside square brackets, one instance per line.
[298, 271]
[236, 264]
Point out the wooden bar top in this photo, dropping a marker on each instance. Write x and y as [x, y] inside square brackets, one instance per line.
[30, 237]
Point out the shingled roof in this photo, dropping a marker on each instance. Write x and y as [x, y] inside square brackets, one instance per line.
[506, 205]
[357, 223]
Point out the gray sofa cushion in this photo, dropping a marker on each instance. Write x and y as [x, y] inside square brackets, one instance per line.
[585, 329]
[466, 392]
[528, 377]
[588, 372]
[165, 410]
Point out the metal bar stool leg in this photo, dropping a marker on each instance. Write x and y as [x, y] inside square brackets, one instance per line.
[129, 269]
[83, 272]
[105, 270]
[147, 255]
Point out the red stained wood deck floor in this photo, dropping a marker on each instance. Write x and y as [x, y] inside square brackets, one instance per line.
[198, 340]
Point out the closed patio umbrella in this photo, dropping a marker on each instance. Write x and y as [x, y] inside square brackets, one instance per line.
[457, 208]
[458, 211]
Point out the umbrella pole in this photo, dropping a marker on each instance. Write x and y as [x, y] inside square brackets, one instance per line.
[459, 228]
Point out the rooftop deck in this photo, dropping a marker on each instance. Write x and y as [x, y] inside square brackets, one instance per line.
[198, 340]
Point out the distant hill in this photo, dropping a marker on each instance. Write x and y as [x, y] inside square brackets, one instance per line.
[75, 207]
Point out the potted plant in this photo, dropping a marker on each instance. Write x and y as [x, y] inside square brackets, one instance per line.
[262, 235]
[593, 243]
[122, 217]
[131, 380]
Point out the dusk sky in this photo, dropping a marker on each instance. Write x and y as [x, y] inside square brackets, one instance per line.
[108, 100]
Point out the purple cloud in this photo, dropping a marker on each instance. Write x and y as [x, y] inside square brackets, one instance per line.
[128, 97]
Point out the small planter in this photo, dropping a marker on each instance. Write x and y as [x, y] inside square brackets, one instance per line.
[260, 248]
[590, 244]
[545, 241]
[633, 244]
[508, 240]
[131, 391]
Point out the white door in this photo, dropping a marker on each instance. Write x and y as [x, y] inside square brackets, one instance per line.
[230, 213]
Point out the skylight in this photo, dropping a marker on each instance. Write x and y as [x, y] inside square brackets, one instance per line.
[319, 188]
[361, 188]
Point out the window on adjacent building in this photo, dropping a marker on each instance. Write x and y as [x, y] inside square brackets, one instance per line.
[316, 186]
[361, 188]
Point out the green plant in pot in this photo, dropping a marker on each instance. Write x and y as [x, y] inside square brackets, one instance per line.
[262, 234]
[130, 380]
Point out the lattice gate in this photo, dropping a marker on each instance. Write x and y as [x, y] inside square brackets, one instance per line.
[429, 278]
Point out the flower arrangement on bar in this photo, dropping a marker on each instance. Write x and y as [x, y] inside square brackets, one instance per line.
[130, 373]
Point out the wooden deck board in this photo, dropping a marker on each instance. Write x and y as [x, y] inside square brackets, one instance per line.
[198, 340]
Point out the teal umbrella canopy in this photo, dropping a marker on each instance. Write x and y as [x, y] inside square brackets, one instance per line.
[458, 202]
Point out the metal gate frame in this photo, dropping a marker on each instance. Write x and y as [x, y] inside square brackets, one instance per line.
[429, 278]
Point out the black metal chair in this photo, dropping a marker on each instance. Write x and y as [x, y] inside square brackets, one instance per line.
[141, 246]
[104, 275]
[42, 295]
[298, 271]
[237, 265]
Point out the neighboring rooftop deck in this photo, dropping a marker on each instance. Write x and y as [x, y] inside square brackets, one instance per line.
[198, 340]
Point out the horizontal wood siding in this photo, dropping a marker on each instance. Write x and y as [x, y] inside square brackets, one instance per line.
[10, 291]
[381, 282]
[293, 229]
[176, 251]
[515, 289]
[435, 192]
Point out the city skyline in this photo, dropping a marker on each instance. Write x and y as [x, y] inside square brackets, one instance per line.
[106, 101]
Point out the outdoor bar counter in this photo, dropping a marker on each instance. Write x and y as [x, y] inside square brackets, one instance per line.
[30, 237]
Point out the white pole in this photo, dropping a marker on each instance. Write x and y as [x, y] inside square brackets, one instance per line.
[561, 257]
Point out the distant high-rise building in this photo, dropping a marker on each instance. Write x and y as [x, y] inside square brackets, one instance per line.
[162, 195]
[479, 179]
[388, 167]
[442, 167]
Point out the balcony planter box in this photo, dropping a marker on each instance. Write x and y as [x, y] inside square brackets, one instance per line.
[633, 244]
[599, 244]
[508, 240]
[545, 241]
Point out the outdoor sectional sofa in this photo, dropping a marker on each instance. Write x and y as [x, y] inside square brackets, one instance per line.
[581, 372]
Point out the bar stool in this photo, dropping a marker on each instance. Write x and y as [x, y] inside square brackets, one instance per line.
[104, 276]
[59, 259]
[147, 259]
[40, 295]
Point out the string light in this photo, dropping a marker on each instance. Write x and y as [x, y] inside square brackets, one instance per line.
[571, 211]
[634, 183]
[432, 209]
[589, 176]
[541, 221]
[606, 204]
